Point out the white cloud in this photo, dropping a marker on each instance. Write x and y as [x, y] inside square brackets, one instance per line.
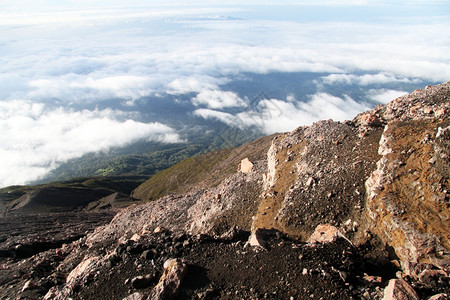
[108, 14]
[365, 79]
[274, 115]
[76, 88]
[185, 85]
[207, 90]
[34, 140]
[226, 118]
[384, 96]
[325, 106]
[218, 99]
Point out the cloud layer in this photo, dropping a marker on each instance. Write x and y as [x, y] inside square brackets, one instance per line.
[92, 55]
[274, 115]
[35, 140]
[60, 57]
[365, 79]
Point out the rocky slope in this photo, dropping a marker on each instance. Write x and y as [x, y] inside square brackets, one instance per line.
[358, 209]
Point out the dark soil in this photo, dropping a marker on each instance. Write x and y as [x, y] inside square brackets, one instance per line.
[217, 267]
[229, 269]
[24, 236]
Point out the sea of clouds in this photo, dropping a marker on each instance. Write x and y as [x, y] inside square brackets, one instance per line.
[60, 61]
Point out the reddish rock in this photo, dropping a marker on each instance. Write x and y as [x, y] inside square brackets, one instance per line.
[440, 112]
[170, 281]
[373, 279]
[427, 275]
[324, 233]
[370, 119]
[398, 289]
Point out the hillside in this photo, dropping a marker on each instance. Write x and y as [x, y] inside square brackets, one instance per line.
[78, 193]
[201, 171]
[351, 210]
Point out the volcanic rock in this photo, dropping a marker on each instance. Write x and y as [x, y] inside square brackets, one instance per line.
[170, 281]
[324, 233]
[257, 239]
[398, 289]
[245, 166]
[135, 296]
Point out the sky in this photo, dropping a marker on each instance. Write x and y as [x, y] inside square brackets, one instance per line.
[63, 62]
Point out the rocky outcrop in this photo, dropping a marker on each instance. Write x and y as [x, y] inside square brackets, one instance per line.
[316, 175]
[407, 194]
[386, 172]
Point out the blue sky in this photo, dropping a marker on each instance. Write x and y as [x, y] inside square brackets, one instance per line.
[59, 59]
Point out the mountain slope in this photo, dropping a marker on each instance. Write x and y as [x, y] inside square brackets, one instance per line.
[334, 210]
